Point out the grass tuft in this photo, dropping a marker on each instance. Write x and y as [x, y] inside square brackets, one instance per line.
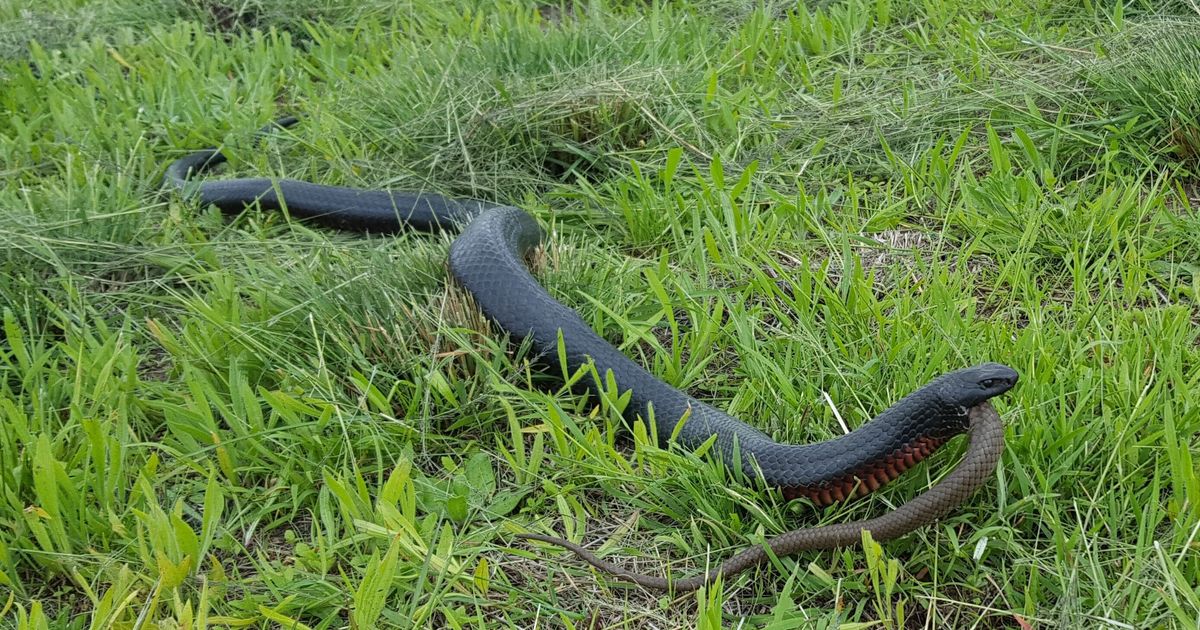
[1152, 80]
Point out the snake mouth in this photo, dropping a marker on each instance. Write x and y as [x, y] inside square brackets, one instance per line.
[869, 477]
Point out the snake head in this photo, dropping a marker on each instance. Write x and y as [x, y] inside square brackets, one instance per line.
[968, 387]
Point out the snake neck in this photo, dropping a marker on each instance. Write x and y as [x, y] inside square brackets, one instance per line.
[862, 461]
[847, 466]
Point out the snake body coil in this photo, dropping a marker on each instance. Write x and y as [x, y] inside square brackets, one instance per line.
[487, 258]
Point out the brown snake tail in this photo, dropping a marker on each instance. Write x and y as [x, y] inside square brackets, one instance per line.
[986, 435]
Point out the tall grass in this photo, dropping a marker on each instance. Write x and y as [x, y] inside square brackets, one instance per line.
[1151, 80]
[798, 212]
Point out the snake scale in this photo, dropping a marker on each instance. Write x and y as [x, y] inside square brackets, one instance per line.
[487, 258]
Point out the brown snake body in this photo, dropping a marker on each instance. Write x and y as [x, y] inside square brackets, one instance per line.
[986, 435]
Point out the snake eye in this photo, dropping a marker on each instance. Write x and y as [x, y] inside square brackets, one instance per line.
[988, 383]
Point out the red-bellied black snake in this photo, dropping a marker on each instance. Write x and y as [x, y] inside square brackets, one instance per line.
[487, 258]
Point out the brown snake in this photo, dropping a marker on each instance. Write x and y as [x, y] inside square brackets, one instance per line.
[986, 435]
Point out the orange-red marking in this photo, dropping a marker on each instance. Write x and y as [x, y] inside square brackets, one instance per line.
[868, 478]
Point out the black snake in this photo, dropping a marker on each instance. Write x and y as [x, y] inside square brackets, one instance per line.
[487, 258]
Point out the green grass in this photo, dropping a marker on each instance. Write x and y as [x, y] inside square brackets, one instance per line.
[1153, 77]
[798, 214]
